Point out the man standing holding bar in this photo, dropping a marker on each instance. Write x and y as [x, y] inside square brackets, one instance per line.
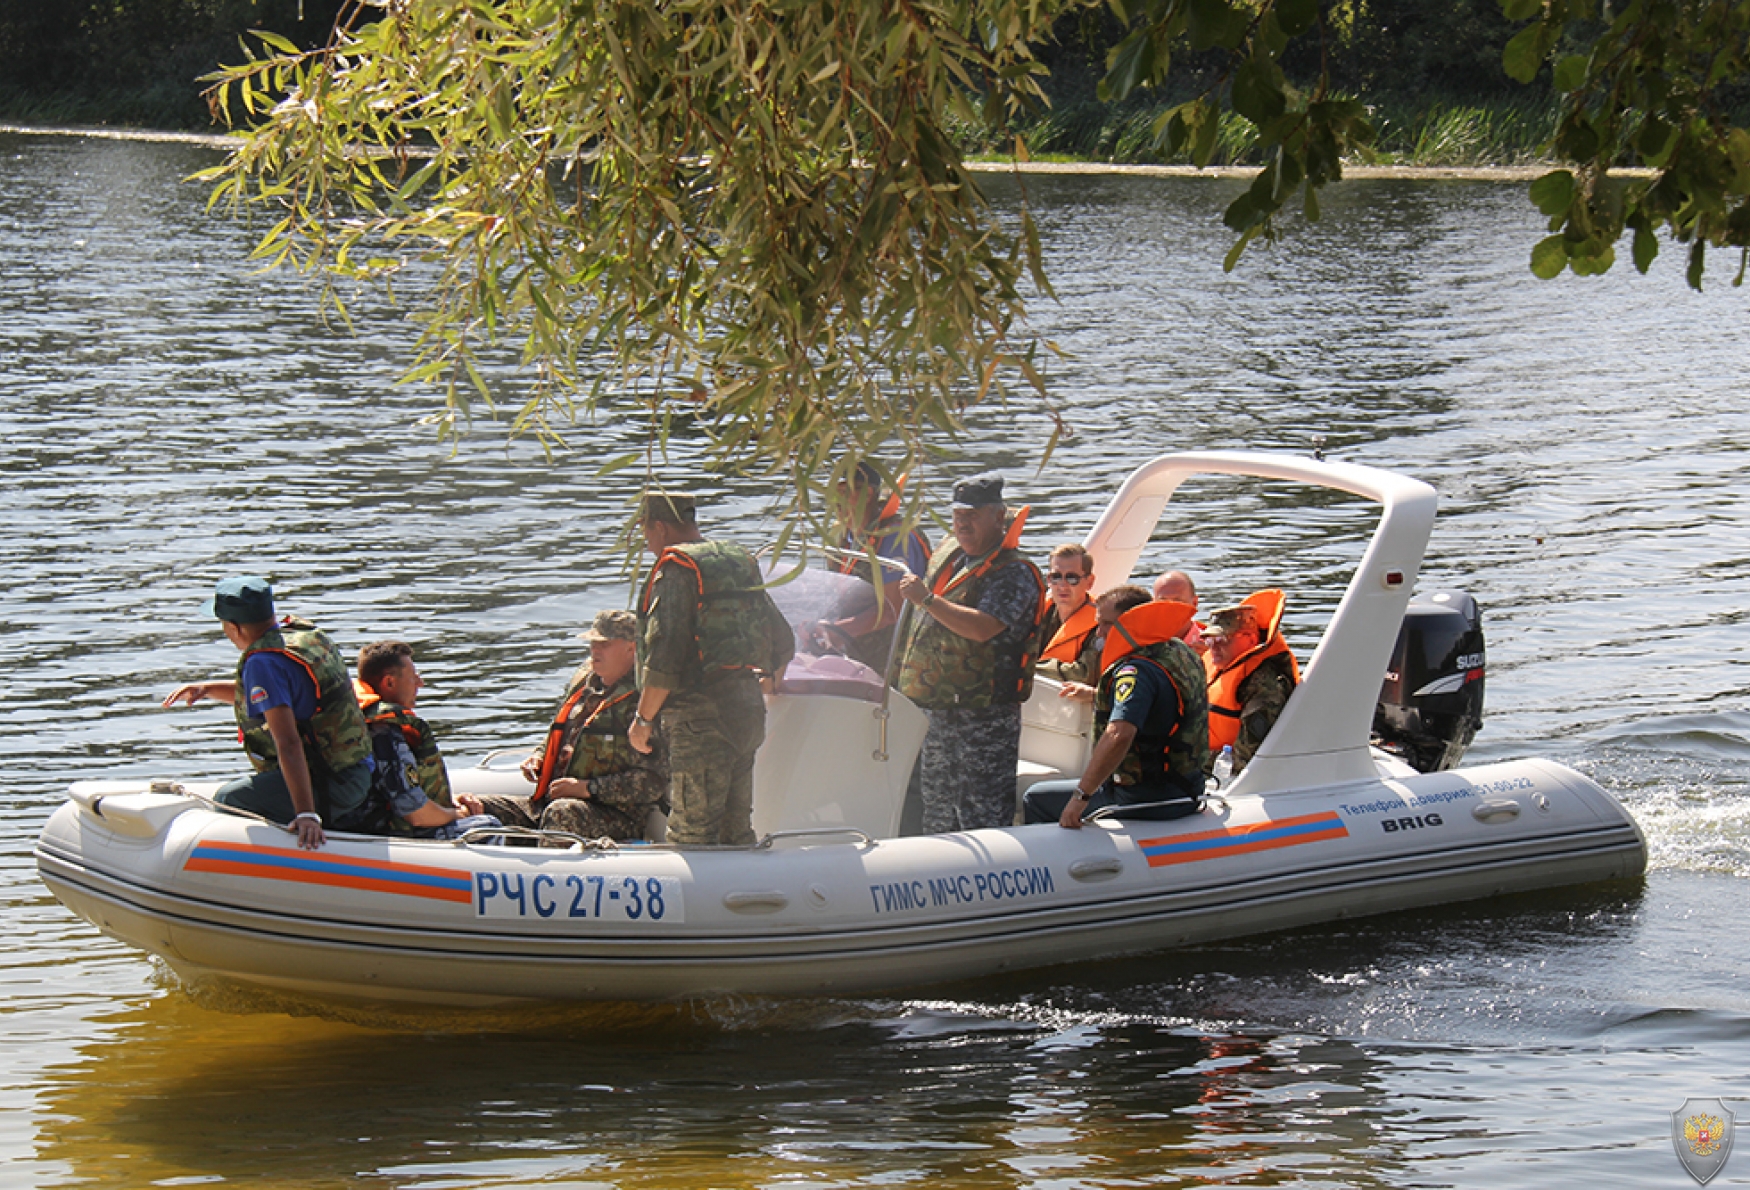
[968, 661]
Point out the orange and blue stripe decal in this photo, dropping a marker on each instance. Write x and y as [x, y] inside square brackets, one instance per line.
[1243, 840]
[334, 871]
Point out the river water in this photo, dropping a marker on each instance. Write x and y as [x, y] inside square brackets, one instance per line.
[168, 416]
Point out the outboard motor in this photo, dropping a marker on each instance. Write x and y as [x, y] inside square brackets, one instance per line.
[1432, 702]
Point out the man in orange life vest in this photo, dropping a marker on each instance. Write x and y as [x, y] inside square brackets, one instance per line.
[967, 660]
[1067, 627]
[588, 779]
[1175, 586]
[1150, 729]
[1251, 673]
[863, 627]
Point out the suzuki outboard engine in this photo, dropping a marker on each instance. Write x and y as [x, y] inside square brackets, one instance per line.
[1432, 702]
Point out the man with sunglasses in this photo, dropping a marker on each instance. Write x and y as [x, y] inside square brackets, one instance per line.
[1066, 630]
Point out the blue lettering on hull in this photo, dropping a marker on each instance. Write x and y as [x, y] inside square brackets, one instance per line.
[967, 888]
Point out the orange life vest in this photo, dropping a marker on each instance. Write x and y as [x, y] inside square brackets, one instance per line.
[1224, 683]
[1145, 624]
[1072, 635]
[556, 734]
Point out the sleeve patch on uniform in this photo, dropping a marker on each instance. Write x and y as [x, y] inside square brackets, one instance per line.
[257, 695]
[1123, 687]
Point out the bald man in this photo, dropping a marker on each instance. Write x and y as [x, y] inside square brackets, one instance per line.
[1175, 586]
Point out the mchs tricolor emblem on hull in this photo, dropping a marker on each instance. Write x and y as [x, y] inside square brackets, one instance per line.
[1701, 1130]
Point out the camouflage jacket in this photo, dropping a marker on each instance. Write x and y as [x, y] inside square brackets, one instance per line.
[1172, 744]
[1262, 695]
[589, 732]
[704, 614]
[940, 669]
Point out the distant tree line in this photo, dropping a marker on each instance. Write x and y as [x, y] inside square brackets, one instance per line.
[1389, 48]
[133, 62]
[136, 62]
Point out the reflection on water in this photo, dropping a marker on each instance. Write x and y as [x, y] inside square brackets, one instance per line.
[1330, 1057]
[167, 416]
[772, 1093]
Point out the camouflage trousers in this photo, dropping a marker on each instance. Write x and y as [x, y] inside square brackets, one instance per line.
[712, 737]
[575, 816]
[967, 768]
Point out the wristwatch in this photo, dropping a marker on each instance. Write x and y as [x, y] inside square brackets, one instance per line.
[640, 721]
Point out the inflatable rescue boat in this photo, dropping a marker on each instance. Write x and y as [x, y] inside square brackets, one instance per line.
[1352, 806]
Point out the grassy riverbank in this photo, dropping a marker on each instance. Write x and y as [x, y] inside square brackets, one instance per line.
[1426, 132]
[1433, 84]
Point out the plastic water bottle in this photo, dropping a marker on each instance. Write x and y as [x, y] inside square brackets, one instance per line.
[1224, 764]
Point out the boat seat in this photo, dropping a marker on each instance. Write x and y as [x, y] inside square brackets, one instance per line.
[1029, 773]
[1054, 736]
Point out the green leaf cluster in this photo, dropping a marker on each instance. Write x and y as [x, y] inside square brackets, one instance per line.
[1654, 84]
[1303, 134]
[746, 221]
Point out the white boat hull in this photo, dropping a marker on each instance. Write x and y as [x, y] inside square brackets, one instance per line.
[404, 920]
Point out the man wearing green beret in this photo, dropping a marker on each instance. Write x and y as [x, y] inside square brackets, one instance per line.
[297, 714]
[707, 633]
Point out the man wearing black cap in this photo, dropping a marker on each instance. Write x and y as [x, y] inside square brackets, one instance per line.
[967, 660]
[297, 714]
[707, 631]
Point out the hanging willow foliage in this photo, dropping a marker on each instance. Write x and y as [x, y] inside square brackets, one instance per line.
[747, 213]
[742, 212]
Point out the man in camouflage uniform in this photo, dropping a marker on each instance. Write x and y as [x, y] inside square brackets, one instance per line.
[1151, 720]
[967, 661]
[1250, 676]
[707, 633]
[297, 715]
[588, 779]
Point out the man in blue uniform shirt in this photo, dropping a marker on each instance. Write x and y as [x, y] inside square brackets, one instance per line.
[1151, 720]
[297, 714]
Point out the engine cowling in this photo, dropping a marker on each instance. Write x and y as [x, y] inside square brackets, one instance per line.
[1431, 704]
